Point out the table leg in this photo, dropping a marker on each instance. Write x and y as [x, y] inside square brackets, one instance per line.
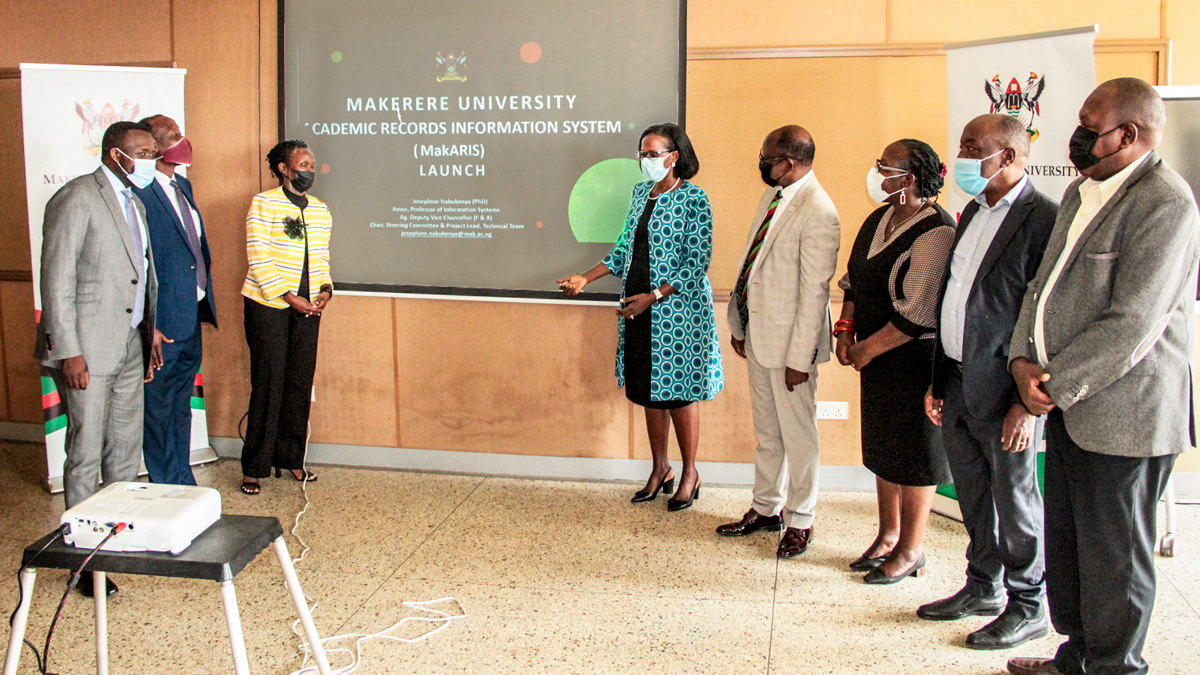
[237, 641]
[17, 638]
[100, 583]
[293, 584]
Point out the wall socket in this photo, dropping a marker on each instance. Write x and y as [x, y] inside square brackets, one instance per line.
[833, 410]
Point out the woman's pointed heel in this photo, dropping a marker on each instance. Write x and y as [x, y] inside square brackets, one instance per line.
[679, 504]
[640, 496]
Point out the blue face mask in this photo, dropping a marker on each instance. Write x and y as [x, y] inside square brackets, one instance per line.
[968, 174]
[143, 171]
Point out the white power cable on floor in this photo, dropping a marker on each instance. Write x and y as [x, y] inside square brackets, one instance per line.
[443, 619]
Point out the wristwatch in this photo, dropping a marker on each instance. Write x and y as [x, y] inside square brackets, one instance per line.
[658, 295]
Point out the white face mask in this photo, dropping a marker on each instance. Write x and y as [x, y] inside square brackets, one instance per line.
[875, 185]
[654, 167]
[143, 171]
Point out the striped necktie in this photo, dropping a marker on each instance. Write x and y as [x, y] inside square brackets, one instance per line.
[189, 228]
[742, 289]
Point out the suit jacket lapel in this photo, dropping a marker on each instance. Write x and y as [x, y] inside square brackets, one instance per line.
[165, 200]
[1148, 164]
[783, 219]
[1014, 220]
[114, 206]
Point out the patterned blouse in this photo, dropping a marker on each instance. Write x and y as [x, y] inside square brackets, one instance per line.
[916, 275]
[685, 360]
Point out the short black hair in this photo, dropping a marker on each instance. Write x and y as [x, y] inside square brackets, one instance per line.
[688, 164]
[796, 143]
[116, 132]
[282, 152]
[925, 166]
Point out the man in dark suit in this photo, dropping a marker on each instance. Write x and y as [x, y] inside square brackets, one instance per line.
[1103, 345]
[185, 299]
[987, 431]
[98, 293]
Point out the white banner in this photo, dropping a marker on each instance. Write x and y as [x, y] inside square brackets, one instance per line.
[1040, 79]
[65, 110]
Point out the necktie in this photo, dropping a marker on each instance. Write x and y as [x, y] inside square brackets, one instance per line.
[139, 245]
[189, 226]
[741, 290]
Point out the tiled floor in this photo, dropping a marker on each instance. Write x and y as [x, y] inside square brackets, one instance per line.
[555, 577]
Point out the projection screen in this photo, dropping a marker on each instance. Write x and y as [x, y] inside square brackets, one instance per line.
[477, 148]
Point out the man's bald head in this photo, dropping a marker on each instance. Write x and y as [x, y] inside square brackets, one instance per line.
[1129, 99]
[1005, 131]
[793, 141]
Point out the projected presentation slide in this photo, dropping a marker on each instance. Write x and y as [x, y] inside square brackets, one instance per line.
[480, 148]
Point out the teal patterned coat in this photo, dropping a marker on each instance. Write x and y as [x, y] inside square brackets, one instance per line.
[685, 363]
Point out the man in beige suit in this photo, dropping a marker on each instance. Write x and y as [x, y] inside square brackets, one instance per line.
[780, 320]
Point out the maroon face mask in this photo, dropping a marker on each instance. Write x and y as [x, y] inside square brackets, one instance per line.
[180, 153]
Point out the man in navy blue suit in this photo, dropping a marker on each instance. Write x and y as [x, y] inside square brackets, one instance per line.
[185, 299]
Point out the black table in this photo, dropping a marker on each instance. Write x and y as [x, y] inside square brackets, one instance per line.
[219, 554]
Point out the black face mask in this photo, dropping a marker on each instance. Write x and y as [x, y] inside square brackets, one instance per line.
[302, 181]
[1083, 141]
[764, 169]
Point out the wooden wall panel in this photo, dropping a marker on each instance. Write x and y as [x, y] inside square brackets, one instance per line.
[764, 23]
[1143, 65]
[84, 31]
[853, 107]
[14, 218]
[510, 377]
[23, 372]
[1183, 24]
[356, 384]
[218, 42]
[956, 21]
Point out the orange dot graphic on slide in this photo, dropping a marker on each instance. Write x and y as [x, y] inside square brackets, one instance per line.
[324, 168]
[531, 52]
[540, 223]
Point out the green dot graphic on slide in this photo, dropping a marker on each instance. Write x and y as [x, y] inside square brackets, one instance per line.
[600, 200]
[631, 125]
[336, 56]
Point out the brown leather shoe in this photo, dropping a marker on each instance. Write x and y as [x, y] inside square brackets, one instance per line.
[750, 523]
[794, 542]
[1024, 665]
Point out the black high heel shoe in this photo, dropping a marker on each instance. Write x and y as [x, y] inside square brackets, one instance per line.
[667, 485]
[679, 504]
[863, 563]
[305, 476]
[877, 576]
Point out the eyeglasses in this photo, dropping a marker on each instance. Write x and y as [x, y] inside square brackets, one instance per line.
[772, 160]
[884, 167]
[653, 154]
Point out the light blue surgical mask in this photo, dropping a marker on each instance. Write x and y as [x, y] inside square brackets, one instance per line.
[143, 171]
[968, 173]
[654, 167]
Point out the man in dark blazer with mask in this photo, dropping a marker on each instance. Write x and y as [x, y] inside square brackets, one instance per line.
[1103, 346]
[185, 300]
[988, 433]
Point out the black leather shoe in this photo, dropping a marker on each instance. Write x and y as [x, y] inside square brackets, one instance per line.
[877, 575]
[666, 485]
[681, 504]
[87, 586]
[863, 563]
[750, 523]
[795, 541]
[1025, 665]
[1007, 631]
[960, 605]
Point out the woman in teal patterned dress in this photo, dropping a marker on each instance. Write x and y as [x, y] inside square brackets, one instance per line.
[668, 354]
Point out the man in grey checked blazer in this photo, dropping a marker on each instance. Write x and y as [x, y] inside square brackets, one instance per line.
[1102, 346]
[94, 332]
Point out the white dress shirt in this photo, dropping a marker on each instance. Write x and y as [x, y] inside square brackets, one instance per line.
[124, 194]
[164, 181]
[1094, 195]
[785, 198]
[964, 266]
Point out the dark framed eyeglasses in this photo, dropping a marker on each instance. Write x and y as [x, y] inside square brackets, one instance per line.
[884, 167]
[772, 160]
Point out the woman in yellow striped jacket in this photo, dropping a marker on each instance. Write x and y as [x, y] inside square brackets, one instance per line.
[287, 288]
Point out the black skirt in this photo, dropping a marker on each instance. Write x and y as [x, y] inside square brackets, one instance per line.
[899, 443]
[637, 330]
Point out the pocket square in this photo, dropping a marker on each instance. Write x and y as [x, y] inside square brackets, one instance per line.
[1110, 255]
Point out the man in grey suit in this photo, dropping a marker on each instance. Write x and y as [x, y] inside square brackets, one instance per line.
[1102, 346]
[98, 300]
[987, 430]
[780, 320]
